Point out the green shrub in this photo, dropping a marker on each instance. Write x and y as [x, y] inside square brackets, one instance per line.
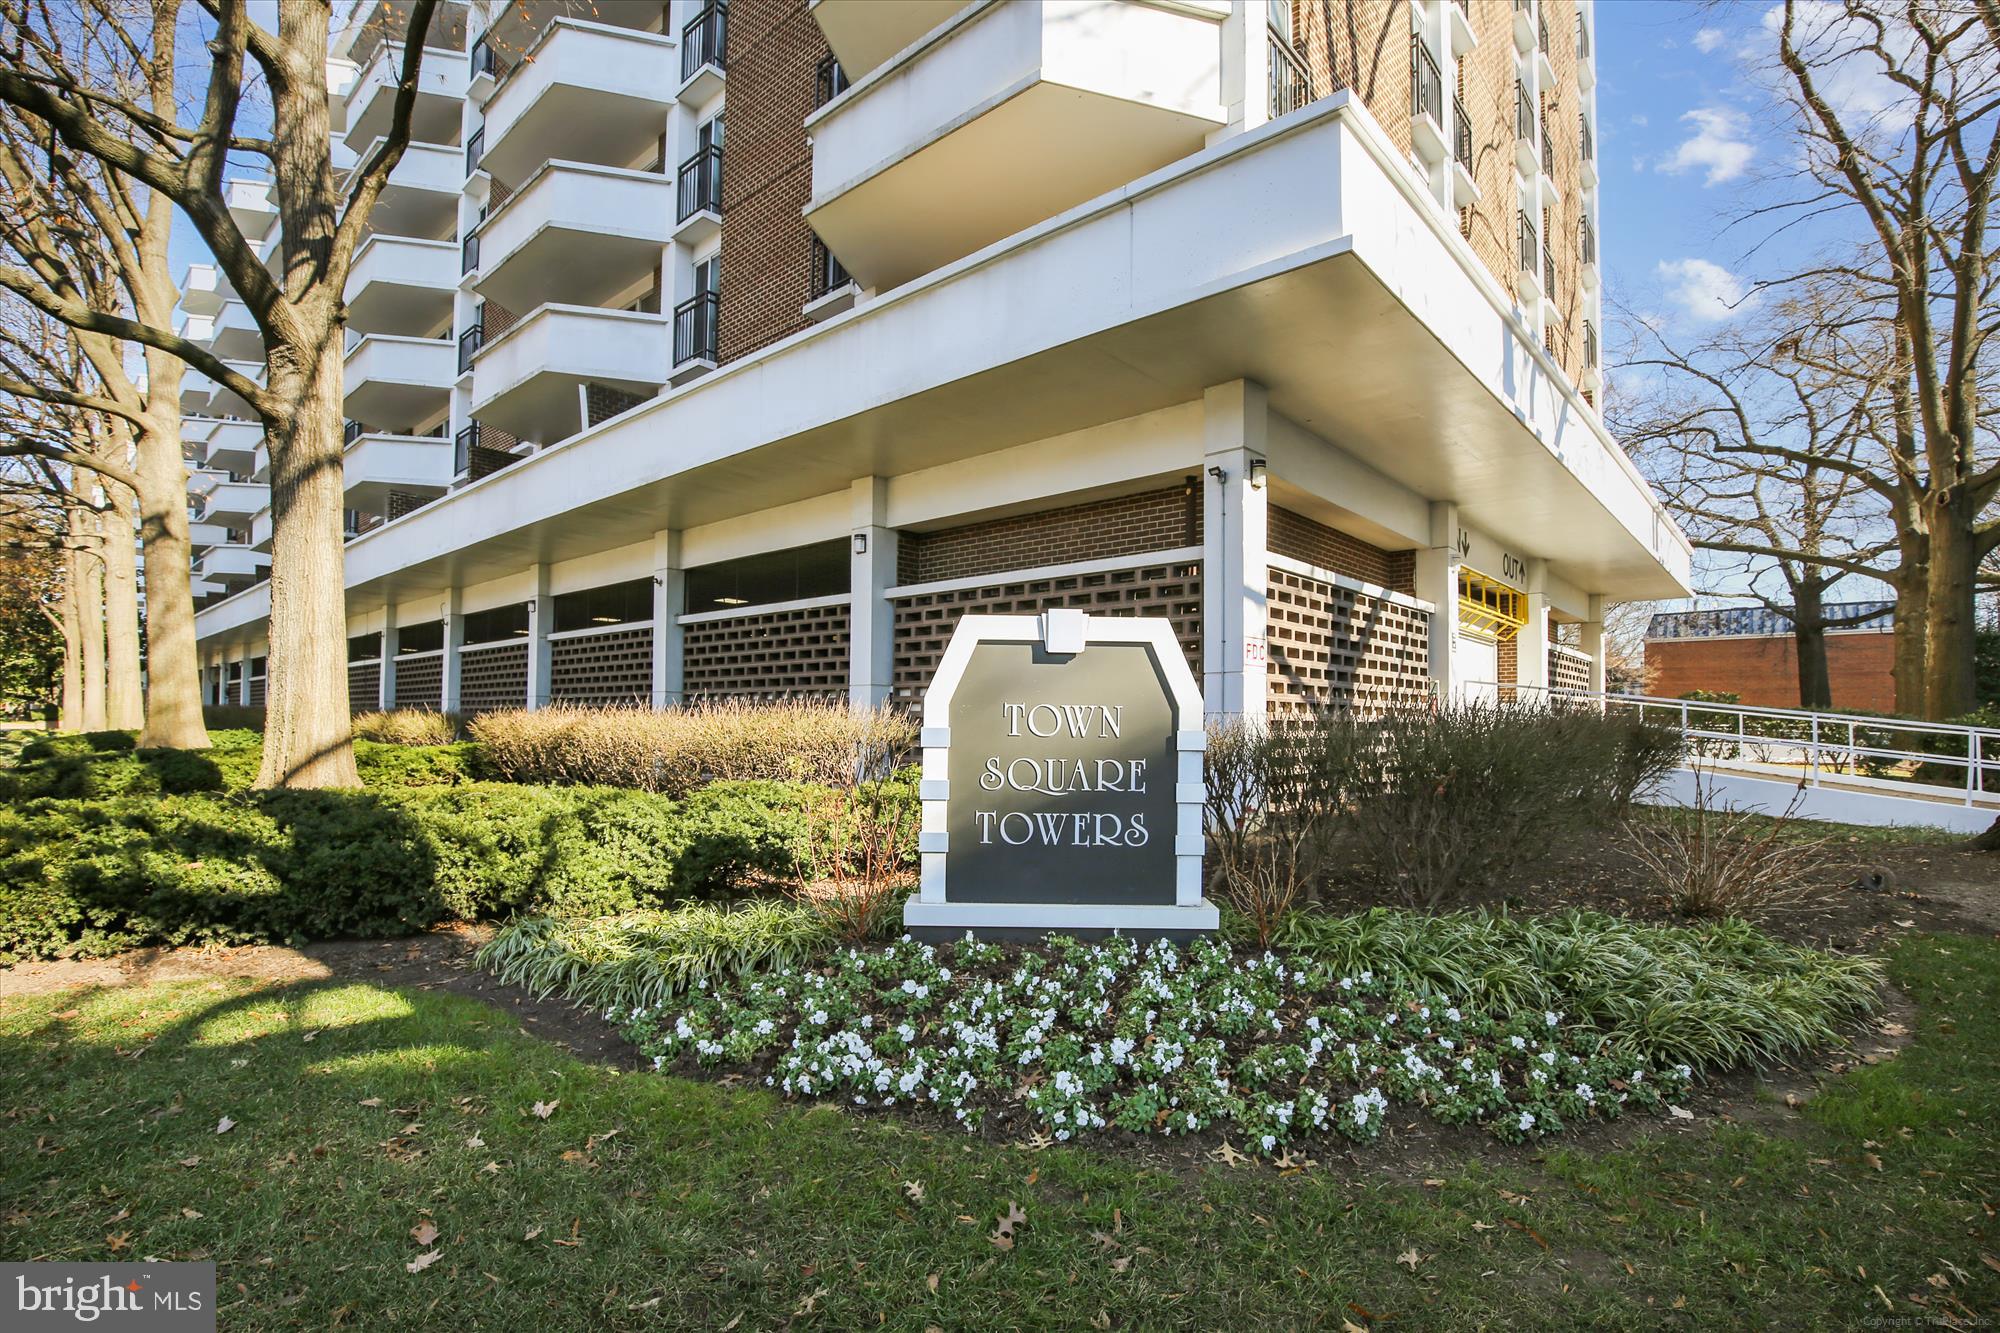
[400, 764]
[82, 768]
[677, 750]
[733, 834]
[232, 717]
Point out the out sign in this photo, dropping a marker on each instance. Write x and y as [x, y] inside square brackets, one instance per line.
[1062, 781]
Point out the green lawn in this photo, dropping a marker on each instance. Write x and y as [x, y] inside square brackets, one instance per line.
[362, 1114]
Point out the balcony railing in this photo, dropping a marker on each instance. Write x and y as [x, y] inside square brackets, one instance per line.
[829, 81]
[1426, 84]
[1589, 345]
[1527, 243]
[1582, 38]
[484, 61]
[1291, 82]
[1548, 149]
[475, 148]
[469, 343]
[468, 252]
[1587, 240]
[700, 184]
[828, 274]
[352, 431]
[1461, 134]
[704, 39]
[695, 322]
[1585, 149]
[1549, 271]
[462, 445]
[1542, 26]
[1524, 113]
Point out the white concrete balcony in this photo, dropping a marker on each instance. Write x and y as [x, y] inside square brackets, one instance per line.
[865, 33]
[420, 197]
[401, 285]
[234, 335]
[526, 381]
[1003, 117]
[251, 205]
[399, 381]
[590, 92]
[196, 390]
[233, 446]
[202, 289]
[196, 328]
[1459, 26]
[575, 233]
[260, 531]
[376, 464]
[202, 535]
[232, 566]
[370, 102]
[234, 503]
[225, 402]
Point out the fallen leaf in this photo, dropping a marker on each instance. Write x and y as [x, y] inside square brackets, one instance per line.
[1227, 1154]
[475, 1142]
[932, 1283]
[543, 1110]
[1003, 1234]
[1410, 1257]
[423, 1261]
[190, 1214]
[371, 1101]
[810, 1303]
[914, 1189]
[532, 1233]
[190, 1161]
[1872, 1160]
[1680, 1113]
[425, 1232]
[224, 1125]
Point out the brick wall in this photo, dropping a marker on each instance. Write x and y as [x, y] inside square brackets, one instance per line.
[1301, 538]
[1363, 45]
[775, 47]
[606, 402]
[1128, 525]
[1763, 671]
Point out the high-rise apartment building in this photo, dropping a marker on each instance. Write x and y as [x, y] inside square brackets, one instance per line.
[1282, 327]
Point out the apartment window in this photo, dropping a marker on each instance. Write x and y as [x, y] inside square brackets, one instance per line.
[828, 274]
[502, 622]
[425, 638]
[1279, 16]
[701, 175]
[704, 39]
[364, 647]
[614, 604]
[351, 430]
[1548, 260]
[1426, 83]
[829, 80]
[1589, 345]
[1461, 134]
[475, 149]
[1587, 239]
[697, 320]
[1525, 237]
[1584, 148]
[471, 340]
[1524, 113]
[819, 570]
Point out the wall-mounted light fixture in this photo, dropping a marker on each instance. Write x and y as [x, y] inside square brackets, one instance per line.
[1256, 474]
[861, 543]
[1219, 475]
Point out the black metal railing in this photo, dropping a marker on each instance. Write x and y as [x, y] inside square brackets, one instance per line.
[1527, 243]
[1589, 345]
[1548, 149]
[828, 273]
[475, 148]
[700, 185]
[1291, 83]
[1524, 113]
[1586, 240]
[468, 254]
[1426, 84]
[829, 81]
[1585, 148]
[485, 61]
[469, 343]
[704, 39]
[1461, 134]
[350, 523]
[351, 430]
[695, 322]
[1549, 271]
[1542, 31]
[1582, 38]
[462, 445]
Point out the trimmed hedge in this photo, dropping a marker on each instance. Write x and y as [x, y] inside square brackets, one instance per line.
[86, 878]
[104, 764]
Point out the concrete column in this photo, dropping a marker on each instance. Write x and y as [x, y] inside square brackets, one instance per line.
[453, 616]
[1235, 574]
[386, 695]
[1593, 642]
[243, 679]
[1437, 583]
[669, 605]
[871, 662]
[541, 619]
[1531, 650]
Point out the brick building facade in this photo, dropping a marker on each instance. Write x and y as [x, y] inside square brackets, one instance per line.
[1751, 653]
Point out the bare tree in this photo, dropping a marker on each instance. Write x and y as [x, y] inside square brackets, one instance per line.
[300, 312]
[1914, 162]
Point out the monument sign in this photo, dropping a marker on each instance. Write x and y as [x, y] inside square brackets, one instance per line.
[1062, 781]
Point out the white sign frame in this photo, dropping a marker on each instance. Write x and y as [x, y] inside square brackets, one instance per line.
[1066, 631]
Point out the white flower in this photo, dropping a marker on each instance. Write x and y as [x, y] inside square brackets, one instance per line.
[1552, 1019]
[1527, 1121]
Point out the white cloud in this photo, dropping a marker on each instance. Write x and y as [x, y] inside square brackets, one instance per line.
[1704, 292]
[1707, 40]
[1717, 147]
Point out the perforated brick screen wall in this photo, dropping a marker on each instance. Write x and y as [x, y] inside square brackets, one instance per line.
[1302, 538]
[1568, 671]
[492, 678]
[615, 667]
[1331, 646]
[795, 654]
[1127, 525]
[420, 681]
[924, 622]
[364, 686]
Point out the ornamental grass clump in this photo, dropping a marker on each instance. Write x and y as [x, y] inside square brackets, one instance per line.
[675, 750]
[406, 726]
[1713, 859]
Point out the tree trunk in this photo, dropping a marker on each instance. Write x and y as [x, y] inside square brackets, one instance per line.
[1809, 643]
[1908, 639]
[69, 711]
[87, 603]
[173, 671]
[124, 704]
[308, 741]
[1950, 623]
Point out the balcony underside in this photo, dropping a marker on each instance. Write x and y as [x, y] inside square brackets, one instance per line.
[400, 307]
[545, 406]
[1044, 150]
[864, 33]
[375, 465]
[579, 124]
[571, 265]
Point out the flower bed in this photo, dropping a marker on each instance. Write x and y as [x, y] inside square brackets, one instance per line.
[1160, 1040]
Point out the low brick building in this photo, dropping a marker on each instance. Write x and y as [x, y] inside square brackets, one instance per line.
[1750, 652]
